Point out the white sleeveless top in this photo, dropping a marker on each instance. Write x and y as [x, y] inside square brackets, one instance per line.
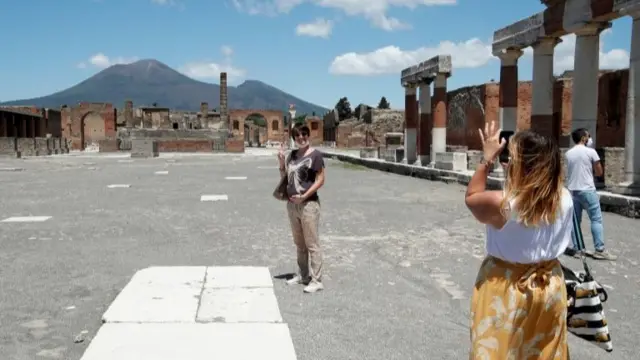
[525, 245]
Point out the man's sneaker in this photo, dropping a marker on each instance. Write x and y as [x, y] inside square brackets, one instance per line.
[572, 253]
[296, 280]
[313, 287]
[603, 255]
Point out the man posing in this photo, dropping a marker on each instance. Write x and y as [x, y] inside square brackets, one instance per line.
[582, 162]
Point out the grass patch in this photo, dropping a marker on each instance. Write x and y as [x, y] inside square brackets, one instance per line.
[349, 166]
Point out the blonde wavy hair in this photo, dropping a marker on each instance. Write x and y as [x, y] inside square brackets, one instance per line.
[534, 178]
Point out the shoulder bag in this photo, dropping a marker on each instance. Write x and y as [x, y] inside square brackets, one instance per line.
[585, 297]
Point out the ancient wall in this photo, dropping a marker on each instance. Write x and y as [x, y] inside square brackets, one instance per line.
[316, 129]
[88, 123]
[273, 118]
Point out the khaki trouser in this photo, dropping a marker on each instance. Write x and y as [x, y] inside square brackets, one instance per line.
[304, 219]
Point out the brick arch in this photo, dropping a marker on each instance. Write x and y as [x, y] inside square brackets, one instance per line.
[79, 122]
[269, 115]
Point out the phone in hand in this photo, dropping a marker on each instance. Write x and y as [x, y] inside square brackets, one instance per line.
[504, 155]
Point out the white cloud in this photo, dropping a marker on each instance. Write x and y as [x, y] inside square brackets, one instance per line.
[391, 59]
[564, 54]
[373, 10]
[472, 53]
[102, 61]
[212, 70]
[319, 28]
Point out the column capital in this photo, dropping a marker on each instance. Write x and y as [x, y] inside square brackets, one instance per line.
[592, 29]
[509, 57]
[409, 85]
[425, 82]
[545, 45]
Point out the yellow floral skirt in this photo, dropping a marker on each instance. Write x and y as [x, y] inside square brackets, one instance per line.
[519, 312]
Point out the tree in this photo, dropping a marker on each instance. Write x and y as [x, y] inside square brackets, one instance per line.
[300, 119]
[343, 107]
[384, 104]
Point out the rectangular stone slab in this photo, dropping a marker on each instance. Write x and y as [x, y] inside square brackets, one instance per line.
[238, 277]
[191, 342]
[239, 305]
[159, 295]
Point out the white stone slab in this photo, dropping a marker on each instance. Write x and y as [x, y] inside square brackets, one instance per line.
[119, 186]
[268, 167]
[27, 219]
[214, 198]
[239, 305]
[238, 277]
[159, 295]
[235, 178]
[161, 172]
[125, 161]
[191, 342]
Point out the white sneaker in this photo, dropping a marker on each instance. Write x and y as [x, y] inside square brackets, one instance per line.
[313, 287]
[295, 280]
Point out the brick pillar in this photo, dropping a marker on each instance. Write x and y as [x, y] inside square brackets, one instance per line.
[204, 111]
[426, 124]
[128, 113]
[439, 113]
[584, 97]
[509, 89]
[410, 124]
[224, 115]
[543, 82]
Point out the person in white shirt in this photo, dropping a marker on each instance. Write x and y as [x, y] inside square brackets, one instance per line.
[519, 302]
[582, 161]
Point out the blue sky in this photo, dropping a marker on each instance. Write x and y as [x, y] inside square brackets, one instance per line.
[317, 50]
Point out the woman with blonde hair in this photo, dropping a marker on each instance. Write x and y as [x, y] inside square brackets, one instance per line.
[519, 303]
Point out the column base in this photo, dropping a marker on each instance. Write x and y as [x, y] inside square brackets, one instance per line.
[627, 189]
[423, 160]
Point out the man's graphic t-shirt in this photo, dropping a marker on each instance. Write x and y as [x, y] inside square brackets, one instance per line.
[302, 171]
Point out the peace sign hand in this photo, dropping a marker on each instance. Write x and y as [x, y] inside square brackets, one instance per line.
[492, 145]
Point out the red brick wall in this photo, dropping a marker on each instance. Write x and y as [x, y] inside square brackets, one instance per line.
[185, 146]
[234, 146]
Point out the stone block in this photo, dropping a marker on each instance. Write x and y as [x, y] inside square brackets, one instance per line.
[392, 155]
[473, 159]
[520, 34]
[108, 145]
[144, 148]
[454, 161]
[369, 153]
[613, 163]
[7, 145]
[184, 145]
[426, 69]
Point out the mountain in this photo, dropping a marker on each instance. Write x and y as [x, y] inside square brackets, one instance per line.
[149, 81]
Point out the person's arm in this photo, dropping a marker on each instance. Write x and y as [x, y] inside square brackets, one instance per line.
[597, 164]
[483, 204]
[318, 167]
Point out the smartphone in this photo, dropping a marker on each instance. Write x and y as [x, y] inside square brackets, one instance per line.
[504, 155]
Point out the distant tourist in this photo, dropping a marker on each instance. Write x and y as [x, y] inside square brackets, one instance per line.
[305, 170]
[519, 301]
[582, 162]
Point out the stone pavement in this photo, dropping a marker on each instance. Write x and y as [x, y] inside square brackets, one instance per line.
[401, 257]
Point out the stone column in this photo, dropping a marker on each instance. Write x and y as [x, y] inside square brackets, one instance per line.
[584, 98]
[128, 114]
[425, 123]
[509, 89]
[204, 112]
[543, 81]
[224, 115]
[410, 124]
[631, 184]
[439, 113]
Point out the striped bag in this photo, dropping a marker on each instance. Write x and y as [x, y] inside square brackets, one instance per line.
[585, 315]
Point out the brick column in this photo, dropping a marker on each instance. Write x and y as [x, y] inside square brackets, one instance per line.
[426, 123]
[224, 115]
[509, 89]
[128, 113]
[584, 98]
[439, 113]
[204, 111]
[410, 125]
[543, 81]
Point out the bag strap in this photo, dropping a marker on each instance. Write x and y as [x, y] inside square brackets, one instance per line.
[577, 232]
